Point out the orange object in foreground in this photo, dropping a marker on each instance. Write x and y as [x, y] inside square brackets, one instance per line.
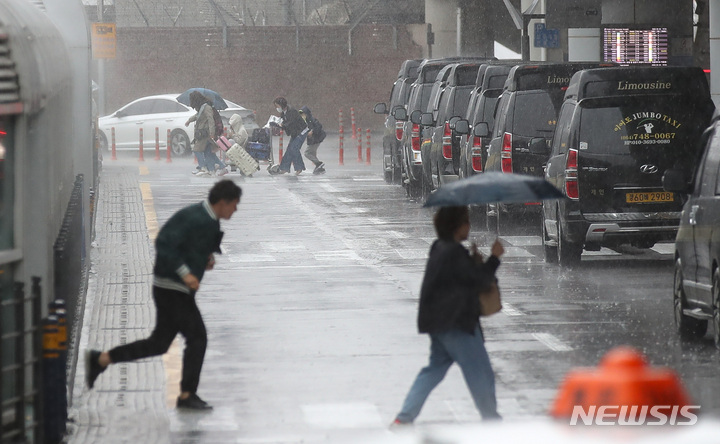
[623, 387]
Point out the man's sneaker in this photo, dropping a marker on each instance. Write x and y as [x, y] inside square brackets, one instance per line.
[298, 172]
[193, 402]
[319, 171]
[222, 172]
[318, 167]
[92, 367]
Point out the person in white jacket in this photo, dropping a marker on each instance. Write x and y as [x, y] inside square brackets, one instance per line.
[237, 130]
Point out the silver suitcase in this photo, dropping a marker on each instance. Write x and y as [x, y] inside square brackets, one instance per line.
[242, 160]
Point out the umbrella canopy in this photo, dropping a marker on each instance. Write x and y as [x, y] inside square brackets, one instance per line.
[215, 98]
[493, 187]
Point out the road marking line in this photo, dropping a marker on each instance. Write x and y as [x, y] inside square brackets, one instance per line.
[397, 234]
[510, 310]
[328, 187]
[367, 179]
[250, 257]
[144, 171]
[412, 253]
[342, 416]
[551, 342]
[333, 255]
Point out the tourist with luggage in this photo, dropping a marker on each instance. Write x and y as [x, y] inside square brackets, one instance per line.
[295, 127]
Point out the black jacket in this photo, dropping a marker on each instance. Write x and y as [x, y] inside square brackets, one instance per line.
[449, 292]
[293, 123]
[314, 125]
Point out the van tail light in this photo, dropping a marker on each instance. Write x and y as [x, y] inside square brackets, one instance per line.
[476, 154]
[447, 142]
[399, 130]
[415, 137]
[506, 153]
[571, 175]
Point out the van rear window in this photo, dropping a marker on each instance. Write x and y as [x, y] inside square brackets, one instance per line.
[670, 126]
[466, 75]
[430, 73]
[535, 113]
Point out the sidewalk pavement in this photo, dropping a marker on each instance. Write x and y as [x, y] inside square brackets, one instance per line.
[128, 402]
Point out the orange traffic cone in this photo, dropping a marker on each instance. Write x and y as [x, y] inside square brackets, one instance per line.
[623, 390]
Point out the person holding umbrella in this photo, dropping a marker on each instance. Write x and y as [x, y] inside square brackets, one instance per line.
[449, 312]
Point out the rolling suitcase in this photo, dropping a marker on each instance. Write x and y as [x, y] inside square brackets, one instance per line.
[242, 160]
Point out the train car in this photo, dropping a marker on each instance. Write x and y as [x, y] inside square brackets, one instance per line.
[44, 216]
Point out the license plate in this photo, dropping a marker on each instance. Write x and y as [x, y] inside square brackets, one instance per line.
[649, 197]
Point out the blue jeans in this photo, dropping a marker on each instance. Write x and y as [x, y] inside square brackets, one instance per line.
[293, 155]
[211, 159]
[470, 354]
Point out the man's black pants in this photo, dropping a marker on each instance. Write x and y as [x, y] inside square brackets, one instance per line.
[176, 313]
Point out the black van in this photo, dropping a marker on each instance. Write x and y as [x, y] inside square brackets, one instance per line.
[441, 156]
[398, 98]
[525, 120]
[618, 131]
[696, 283]
[481, 109]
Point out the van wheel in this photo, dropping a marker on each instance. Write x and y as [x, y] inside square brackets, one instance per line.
[551, 254]
[687, 327]
[716, 308]
[568, 253]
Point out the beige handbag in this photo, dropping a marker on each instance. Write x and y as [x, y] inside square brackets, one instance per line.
[490, 300]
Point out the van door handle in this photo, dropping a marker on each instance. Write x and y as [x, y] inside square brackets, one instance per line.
[693, 214]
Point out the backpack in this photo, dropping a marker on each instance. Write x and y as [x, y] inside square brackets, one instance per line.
[318, 134]
[219, 126]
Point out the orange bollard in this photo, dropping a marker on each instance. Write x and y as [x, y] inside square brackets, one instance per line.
[359, 140]
[352, 122]
[157, 143]
[280, 153]
[341, 151]
[624, 389]
[112, 135]
[169, 147]
[142, 156]
[367, 149]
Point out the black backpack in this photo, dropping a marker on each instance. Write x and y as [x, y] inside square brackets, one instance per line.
[219, 126]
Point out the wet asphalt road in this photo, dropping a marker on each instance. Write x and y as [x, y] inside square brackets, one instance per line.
[311, 311]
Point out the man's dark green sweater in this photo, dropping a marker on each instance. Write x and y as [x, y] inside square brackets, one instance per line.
[184, 245]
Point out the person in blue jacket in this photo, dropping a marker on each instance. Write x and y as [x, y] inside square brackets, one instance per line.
[449, 312]
[185, 248]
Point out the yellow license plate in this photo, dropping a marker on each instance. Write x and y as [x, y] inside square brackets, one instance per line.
[650, 197]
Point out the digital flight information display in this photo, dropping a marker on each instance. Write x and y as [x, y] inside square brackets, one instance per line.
[628, 46]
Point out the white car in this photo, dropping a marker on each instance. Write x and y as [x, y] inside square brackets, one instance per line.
[165, 113]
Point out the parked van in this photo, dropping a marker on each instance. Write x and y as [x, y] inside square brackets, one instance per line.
[399, 95]
[525, 120]
[619, 130]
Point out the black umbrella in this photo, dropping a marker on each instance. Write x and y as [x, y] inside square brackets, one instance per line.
[215, 98]
[493, 187]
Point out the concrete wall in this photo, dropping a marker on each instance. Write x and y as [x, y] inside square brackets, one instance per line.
[308, 65]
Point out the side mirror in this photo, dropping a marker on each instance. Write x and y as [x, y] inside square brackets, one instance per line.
[415, 116]
[453, 120]
[538, 145]
[120, 114]
[481, 129]
[427, 119]
[462, 126]
[380, 108]
[674, 180]
[400, 113]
